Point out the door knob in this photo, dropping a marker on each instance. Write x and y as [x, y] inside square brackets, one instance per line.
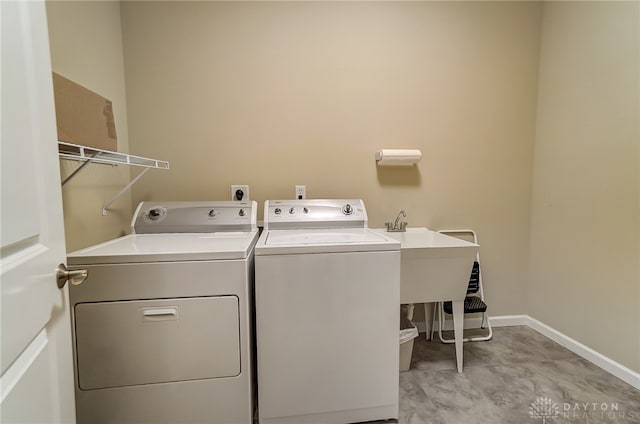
[76, 276]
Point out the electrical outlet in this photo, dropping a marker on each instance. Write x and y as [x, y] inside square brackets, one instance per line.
[301, 192]
[239, 192]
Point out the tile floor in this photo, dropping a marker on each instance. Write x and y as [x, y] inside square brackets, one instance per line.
[502, 379]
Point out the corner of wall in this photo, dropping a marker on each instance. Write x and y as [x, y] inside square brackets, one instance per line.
[586, 177]
[86, 47]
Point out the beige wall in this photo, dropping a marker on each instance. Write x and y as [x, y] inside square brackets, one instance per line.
[86, 47]
[278, 94]
[585, 245]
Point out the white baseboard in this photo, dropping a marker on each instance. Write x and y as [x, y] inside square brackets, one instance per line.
[476, 322]
[612, 367]
[509, 320]
[448, 324]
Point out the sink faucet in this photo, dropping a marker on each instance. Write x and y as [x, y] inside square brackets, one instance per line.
[397, 226]
[404, 214]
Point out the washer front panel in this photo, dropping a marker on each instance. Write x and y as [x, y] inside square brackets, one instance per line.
[327, 336]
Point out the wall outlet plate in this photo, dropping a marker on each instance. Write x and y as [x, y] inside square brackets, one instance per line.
[301, 192]
[240, 192]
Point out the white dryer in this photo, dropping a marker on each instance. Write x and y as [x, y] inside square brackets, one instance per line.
[327, 315]
[162, 326]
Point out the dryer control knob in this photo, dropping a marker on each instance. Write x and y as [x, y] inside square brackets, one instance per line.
[242, 212]
[347, 209]
[277, 211]
[213, 213]
[292, 211]
[155, 213]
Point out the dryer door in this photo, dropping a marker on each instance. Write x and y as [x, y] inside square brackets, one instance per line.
[154, 341]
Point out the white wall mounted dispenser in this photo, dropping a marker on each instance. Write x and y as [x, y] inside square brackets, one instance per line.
[398, 157]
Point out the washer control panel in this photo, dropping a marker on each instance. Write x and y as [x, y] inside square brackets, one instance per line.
[315, 213]
[194, 217]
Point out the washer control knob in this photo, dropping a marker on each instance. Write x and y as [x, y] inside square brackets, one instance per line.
[305, 210]
[242, 212]
[213, 213]
[155, 213]
[277, 211]
[292, 211]
[347, 209]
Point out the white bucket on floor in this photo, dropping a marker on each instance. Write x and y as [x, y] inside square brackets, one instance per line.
[408, 332]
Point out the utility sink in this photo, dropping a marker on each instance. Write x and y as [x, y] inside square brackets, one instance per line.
[434, 267]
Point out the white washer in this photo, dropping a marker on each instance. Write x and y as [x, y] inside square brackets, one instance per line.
[327, 315]
[162, 326]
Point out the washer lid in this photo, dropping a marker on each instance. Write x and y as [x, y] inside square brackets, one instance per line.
[279, 242]
[136, 248]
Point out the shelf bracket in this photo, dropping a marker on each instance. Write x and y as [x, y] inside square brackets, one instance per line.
[121, 192]
[80, 168]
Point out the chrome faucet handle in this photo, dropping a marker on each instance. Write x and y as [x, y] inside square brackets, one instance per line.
[396, 225]
[403, 213]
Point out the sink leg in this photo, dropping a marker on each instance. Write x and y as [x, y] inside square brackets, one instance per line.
[428, 318]
[458, 329]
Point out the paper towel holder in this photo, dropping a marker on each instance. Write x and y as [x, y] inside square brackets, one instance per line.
[398, 157]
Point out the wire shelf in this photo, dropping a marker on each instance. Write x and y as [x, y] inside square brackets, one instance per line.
[87, 155]
[84, 153]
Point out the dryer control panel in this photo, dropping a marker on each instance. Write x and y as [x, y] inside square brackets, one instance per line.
[194, 217]
[315, 213]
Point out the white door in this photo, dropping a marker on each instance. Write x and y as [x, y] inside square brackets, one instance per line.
[36, 383]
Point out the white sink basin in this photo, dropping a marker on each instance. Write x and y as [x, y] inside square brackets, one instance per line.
[434, 267]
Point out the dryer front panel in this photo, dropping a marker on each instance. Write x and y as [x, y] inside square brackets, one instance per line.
[138, 342]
